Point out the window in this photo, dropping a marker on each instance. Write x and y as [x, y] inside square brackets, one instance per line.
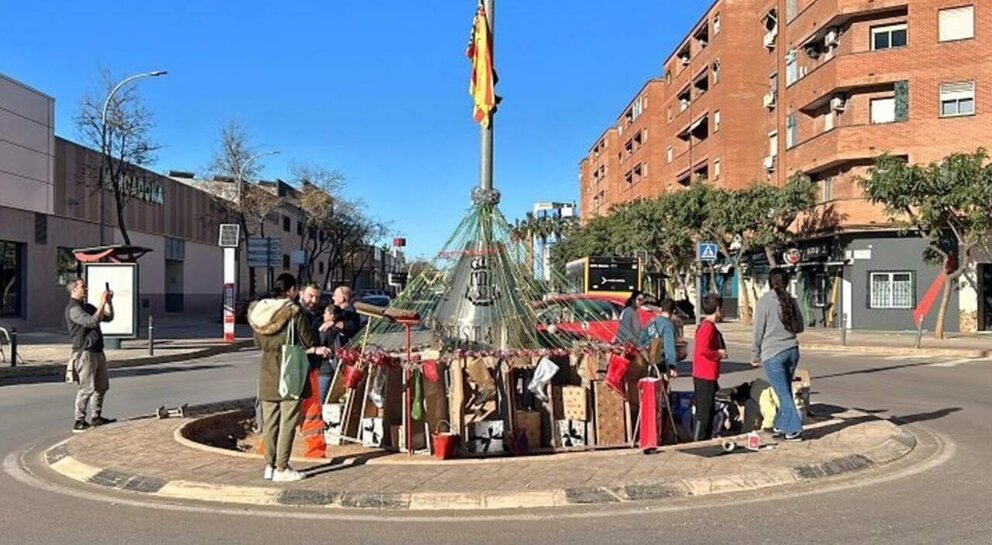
[716, 72]
[67, 266]
[773, 144]
[286, 223]
[957, 99]
[791, 131]
[11, 279]
[716, 168]
[716, 24]
[791, 68]
[299, 228]
[827, 189]
[716, 121]
[891, 290]
[883, 110]
[888, 36]
[320, 267]
[285, 261]
[670, 154]
[957, 23]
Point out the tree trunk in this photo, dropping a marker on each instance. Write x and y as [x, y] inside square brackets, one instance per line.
[770, 254]
[945, 300]
[744, 302]
[713, 286]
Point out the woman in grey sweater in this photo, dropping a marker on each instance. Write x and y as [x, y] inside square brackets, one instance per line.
[630, 320]
[777, 321]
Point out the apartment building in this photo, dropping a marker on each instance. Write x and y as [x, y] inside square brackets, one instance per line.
[763, 89]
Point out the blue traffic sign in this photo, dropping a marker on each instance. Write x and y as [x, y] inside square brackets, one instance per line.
[707, 251]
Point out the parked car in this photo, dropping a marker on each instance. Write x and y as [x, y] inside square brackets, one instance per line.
[585, 316]
[377, 300]
[372, 293]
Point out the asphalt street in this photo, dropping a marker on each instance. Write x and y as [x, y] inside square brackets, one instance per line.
[942, 494]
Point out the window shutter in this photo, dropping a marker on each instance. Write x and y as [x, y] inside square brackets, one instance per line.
[957, 23]
[40, 228]
[883, 110]
[791, 10]
[957, 91]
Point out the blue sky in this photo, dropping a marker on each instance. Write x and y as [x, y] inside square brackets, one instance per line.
[376, 89]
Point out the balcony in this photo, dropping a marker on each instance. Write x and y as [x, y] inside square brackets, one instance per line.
[845, 144]
[846, 72]
[826, 13]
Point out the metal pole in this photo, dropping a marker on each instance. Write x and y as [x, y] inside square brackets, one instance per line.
[151, 337]
[843, 329]
[486, 175]
[13, 347]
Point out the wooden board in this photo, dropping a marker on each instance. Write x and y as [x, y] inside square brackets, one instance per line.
[611, 417]
[575, 404]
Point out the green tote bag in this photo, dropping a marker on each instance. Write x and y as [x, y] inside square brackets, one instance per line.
[293, 366]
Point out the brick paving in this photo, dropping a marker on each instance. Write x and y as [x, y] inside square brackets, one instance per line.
[147, 448]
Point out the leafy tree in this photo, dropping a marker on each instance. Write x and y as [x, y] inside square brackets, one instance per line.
[946, 202]
[781, 206]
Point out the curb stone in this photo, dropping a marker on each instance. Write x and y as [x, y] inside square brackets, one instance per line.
[58, 458]
[54, 369]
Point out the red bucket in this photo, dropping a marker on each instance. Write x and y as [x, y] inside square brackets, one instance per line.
[615, 373]
[352, 376]
[444, 443]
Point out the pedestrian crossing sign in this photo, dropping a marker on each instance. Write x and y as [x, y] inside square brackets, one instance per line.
[707, 251]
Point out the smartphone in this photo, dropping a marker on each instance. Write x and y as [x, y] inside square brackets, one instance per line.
[106, 286]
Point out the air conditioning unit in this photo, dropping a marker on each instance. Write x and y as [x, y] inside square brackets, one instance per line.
[769, 100]
[684, 60]
[812, 51]
[832, 38]
[770, 163]
[838, 103]
[770, 37]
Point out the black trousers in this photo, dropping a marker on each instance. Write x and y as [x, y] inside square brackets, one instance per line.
[705, 396]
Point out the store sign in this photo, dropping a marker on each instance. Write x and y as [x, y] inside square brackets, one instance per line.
[613, 274]
[138, 187]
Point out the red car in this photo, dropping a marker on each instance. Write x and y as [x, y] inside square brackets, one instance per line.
[585, 316]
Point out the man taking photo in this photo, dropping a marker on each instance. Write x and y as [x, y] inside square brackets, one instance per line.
[88, 364]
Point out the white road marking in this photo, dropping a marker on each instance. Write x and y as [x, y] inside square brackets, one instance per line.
[955, 363]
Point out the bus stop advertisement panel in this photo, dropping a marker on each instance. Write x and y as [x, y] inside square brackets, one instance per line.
[122, 279]
[607, 275]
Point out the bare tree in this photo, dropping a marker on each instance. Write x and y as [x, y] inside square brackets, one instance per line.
[234, 167]
[318, 187]
[351, 234]
[124, 141]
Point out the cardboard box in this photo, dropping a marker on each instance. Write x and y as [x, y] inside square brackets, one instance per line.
[372, 433]
[575, 403]
[333, 413]
[572, 434]
[610, 412]
[486, 437]
[529, 422]
[397, 438]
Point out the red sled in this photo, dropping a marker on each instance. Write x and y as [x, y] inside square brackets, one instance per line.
[652, 412]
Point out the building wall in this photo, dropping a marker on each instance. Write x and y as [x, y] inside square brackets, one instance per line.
[891, 253]
[27, 121]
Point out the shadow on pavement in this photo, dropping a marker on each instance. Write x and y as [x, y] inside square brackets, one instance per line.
[923, 417]
[872, 370]
[335, 464]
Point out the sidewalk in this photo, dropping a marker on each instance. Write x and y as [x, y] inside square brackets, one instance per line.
[177, 338]
[892, 343]
[149, 457]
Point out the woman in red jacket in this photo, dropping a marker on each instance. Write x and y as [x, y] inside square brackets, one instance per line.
[709, 351]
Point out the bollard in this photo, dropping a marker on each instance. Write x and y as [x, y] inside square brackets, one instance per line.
[151, 337]
[13, 347]
[843, 329]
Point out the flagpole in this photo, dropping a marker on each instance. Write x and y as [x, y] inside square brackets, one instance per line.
[486, 175]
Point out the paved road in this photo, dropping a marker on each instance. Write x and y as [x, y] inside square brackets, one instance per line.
[949, 499]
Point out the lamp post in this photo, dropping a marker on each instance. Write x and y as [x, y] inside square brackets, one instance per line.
[106, 144]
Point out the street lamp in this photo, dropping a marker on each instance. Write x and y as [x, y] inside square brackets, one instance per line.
[106, 145]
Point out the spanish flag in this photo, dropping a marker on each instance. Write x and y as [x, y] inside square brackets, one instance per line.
[482, 86]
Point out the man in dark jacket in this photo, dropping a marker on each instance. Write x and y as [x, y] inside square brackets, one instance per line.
[350, 321]
[88, 364]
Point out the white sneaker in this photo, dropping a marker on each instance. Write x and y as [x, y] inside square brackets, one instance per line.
[267, 475]
[287, 475]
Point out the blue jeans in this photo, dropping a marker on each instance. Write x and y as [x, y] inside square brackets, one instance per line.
[325, 385]
[780, 369]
